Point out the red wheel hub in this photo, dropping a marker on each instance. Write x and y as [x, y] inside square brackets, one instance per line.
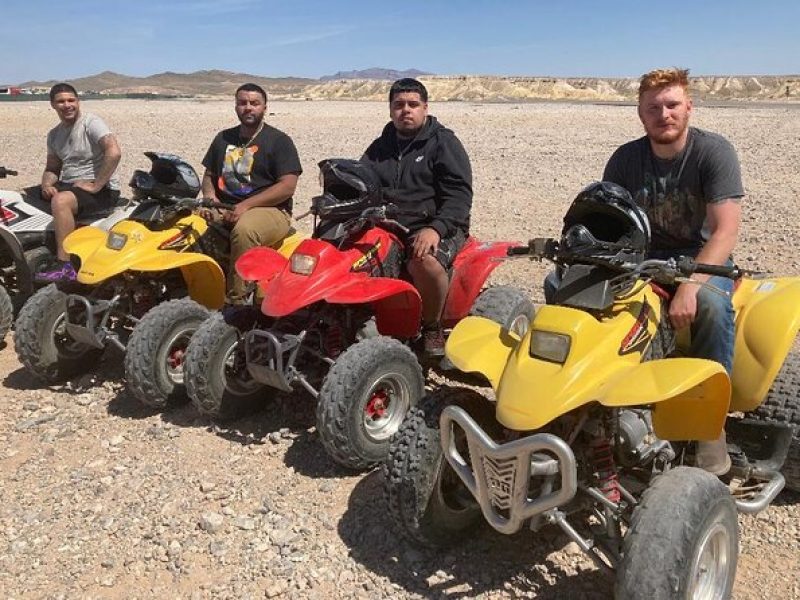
[377, 405]
[175, 359]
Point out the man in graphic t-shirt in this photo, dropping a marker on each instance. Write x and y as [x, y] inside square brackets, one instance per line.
[78, 178]
[254, 166]
[689, 183]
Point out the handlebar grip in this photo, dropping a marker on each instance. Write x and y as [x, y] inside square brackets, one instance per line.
[688, 266]
[4, 172]
[204, 203]
[731, 272]
[518, 251]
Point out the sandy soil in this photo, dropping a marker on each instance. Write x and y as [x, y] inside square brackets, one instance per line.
[101, 498]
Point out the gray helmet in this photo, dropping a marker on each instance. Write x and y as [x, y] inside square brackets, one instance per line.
[169, 177]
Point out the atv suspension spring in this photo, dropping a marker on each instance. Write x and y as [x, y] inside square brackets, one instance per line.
[334, 340]
[605, 469]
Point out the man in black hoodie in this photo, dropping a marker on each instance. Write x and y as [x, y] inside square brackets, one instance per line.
[428, 170]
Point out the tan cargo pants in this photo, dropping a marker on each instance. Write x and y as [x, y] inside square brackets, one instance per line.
[260, 226]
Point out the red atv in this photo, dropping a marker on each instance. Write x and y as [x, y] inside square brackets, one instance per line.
[339, 319]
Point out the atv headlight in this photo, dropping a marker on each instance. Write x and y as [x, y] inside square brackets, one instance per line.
[302, 264]
[116, 241]
[552, 347]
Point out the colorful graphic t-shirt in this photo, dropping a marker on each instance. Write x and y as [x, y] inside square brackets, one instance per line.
[674, 193]
[242, 169]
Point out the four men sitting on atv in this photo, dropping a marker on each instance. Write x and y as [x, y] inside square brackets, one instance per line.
[686, 179]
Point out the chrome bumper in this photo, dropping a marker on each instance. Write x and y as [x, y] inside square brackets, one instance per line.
[500, 475]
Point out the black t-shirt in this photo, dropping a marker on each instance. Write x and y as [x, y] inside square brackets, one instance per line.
[243, 171]
[674, 193]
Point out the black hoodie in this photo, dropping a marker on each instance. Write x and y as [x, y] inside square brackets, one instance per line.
[431, 174]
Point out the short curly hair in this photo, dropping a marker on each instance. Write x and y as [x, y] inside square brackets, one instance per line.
[661, 78]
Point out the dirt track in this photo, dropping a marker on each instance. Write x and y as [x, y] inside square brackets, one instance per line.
[101, 498]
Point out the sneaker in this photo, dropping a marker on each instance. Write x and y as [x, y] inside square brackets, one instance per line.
[433, 340]
[61, 271]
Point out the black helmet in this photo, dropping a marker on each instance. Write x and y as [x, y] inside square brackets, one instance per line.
[170, 176]
[608, 213]
[348, 187]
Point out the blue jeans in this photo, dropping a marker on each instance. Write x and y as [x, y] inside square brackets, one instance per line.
[713, 325]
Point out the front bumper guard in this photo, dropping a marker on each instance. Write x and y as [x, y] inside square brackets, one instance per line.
[500, 475]
[270, 359]
[85, 322]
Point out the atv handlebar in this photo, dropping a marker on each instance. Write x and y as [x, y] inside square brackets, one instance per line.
[4, 172]
[194, 203]
[664, 271]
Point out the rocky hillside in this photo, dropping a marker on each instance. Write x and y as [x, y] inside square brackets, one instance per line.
[373, 84]
[515, 89]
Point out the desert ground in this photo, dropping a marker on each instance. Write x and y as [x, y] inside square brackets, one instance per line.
[102, 498]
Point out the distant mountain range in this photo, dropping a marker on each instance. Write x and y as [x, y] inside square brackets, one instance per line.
[375, 73]
[373, 84]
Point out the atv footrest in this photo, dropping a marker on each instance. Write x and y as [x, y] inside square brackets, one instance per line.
[270, 358]
[511, 482]
[81, 319]
[758, 451]
[754, 496]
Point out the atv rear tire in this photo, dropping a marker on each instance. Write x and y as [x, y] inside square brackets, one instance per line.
[215, 373]
[683, 541]
[157, 349]
[364, 399]
[506, 306]
[6, 313]
[427, 500]
[783, 406]
[42, 344]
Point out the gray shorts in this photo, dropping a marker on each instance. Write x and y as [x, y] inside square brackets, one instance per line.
[446, 251]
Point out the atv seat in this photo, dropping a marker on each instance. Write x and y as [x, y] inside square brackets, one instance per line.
[89, 218]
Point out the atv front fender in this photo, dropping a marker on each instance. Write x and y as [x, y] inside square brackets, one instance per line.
[260, 264]
[471, 268]
[767, 322]
[480, 345]
[84, 240]
[396, 303]
[690, 396]
[204, 278]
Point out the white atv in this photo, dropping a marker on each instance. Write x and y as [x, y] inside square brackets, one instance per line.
[27, 244]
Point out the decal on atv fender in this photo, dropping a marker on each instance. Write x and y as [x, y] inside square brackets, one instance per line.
[367, 258]
[638, 337]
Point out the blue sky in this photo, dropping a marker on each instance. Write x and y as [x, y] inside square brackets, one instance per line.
[42, 40]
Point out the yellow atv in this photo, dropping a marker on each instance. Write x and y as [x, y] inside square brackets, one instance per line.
[144, 286]
[595, 423]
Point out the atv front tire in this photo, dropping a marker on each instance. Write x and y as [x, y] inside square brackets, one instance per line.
[783, 406]
[683, 541]
[427, 500]
[215, 373]
[42, 343]
[156, 351]
[364, 399]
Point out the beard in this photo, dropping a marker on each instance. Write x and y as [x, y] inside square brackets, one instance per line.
[668, 136]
